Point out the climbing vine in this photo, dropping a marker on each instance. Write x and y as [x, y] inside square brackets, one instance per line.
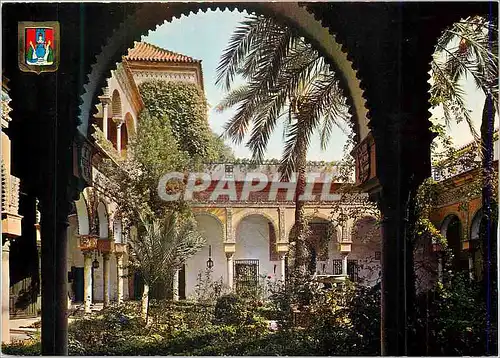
[184, 107]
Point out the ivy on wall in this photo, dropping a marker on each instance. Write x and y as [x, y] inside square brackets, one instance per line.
[184, 107]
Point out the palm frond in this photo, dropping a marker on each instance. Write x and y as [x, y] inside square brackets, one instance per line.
[163, 244]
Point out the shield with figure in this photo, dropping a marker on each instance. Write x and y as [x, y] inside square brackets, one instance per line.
[38, 46]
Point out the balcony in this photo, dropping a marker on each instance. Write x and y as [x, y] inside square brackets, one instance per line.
[105, 245]
[332, 271]
[105, 144]
[11, 220]
[88, 242]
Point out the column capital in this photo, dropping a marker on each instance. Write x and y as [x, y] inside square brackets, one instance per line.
[229, 248]
[229, 255]
[118, 120]
[5, 244]
[105, 100]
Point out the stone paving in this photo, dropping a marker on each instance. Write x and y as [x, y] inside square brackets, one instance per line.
[25, 328]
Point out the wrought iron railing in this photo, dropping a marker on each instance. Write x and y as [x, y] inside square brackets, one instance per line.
[353, 270]
[337, 267]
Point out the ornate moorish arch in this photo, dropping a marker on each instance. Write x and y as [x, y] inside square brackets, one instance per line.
[453, 216]
[391, 51]
[82, 215]
[148, 16]
[216, 218]
[249, 213]
[103, 216]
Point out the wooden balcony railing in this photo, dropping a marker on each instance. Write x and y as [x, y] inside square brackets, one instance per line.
[88, 242]
[11, 220]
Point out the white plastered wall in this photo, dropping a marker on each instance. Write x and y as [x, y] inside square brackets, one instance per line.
[211, 229]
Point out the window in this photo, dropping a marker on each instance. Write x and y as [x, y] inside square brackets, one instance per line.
[229, 169]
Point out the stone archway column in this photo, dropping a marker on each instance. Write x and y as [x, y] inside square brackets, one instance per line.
[282, 249]
[5, 291]
[345, 247]
[54, 275]
[402, 165]
[344, 264]
[440, 268]
[105, 270]
[119, 123]
[282, 267]
[470, 258]
[87, 281]
[105, 101]
[229, 249]
[120, 278]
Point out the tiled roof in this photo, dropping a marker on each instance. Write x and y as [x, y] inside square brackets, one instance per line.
[143, 51]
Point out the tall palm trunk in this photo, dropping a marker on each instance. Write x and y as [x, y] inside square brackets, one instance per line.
[489, 243]
[301, 225]
[145, 303]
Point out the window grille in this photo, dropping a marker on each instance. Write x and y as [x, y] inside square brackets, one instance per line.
[246, 274]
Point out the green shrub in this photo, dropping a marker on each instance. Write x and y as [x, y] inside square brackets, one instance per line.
[23, 348]
[451, 320]
[168, 317]
[231, 309]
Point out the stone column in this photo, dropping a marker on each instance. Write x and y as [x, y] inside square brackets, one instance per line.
[105, 119]
[5, 292]
[471, 265]
[119, 269]
[230, 268]
[344, 265]
[105, 101]
[105, 276]
[87, 280]
[282, 267]
[119, 123]
[440, 268]
[54, 275]
[175, 285]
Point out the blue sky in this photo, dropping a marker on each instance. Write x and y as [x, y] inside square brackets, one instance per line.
[204, 36]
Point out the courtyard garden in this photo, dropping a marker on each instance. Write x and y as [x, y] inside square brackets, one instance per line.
[305, 321]
[450, 314]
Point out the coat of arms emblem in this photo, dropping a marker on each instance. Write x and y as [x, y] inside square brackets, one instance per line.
[38, 46]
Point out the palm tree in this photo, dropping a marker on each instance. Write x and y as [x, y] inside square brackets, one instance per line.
[286, 79]
[470, 48]
[161, 246]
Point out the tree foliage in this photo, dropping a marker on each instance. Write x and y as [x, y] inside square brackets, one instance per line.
[132, 183]
[466, 49]
[165, 244]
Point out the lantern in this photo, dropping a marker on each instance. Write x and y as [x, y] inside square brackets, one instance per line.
[210, 262]
[95, 263]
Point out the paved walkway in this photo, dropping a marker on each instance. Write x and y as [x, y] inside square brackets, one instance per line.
[23, 328]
